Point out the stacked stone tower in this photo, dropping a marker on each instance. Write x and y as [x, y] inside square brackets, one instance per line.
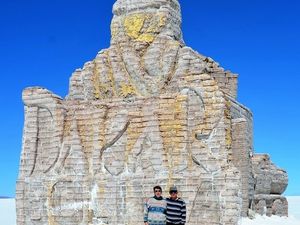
[148, 110]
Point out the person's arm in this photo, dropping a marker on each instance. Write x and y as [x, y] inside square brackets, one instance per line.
[165, 211]
[146, 209]
[183, 213]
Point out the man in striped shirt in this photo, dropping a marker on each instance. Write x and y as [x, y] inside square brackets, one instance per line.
[176, 208]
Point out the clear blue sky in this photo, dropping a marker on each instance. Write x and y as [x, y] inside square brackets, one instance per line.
[43, 41]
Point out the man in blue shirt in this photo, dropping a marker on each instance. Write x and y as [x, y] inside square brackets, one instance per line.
[155, 209]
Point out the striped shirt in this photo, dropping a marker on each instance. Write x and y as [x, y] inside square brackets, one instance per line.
[176, 211]
[155, 211]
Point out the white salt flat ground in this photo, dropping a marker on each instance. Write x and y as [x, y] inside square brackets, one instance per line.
[8, 214]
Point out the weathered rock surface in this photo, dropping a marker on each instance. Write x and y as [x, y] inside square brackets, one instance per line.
[270, 183]
[148, 110]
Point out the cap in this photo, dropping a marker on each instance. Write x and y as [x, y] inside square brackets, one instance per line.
[173, 188]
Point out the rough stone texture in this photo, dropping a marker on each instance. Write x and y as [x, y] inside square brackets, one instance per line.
[242, 159]
[148, 110]
[270, 183]
[270, 205]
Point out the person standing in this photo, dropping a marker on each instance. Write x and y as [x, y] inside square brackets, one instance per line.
[155, 208]
[176, 208]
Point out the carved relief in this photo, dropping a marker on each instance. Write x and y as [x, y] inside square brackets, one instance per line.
[148, 110]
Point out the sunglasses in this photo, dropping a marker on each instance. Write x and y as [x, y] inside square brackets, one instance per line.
[173, 192]
[157, 191]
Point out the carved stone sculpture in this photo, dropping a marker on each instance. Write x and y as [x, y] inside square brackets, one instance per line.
[148, 110]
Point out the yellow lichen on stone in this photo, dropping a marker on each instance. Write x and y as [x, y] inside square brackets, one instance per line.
[111, 75]
[146, 38]
[172, 129]
[228, 138]
[67, 128]
[113, 30]
[133, 25]
[102, 129]
[104, 90]
[127, 89]
[90, 216]
[227, 110]
[136, 27]
[227, 113]
[51, 220]
[101, 189]
[95, 81]
[82, 131]
[181, 98]
[162, 20]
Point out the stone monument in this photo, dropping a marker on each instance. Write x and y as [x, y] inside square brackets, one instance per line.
[148, 110]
